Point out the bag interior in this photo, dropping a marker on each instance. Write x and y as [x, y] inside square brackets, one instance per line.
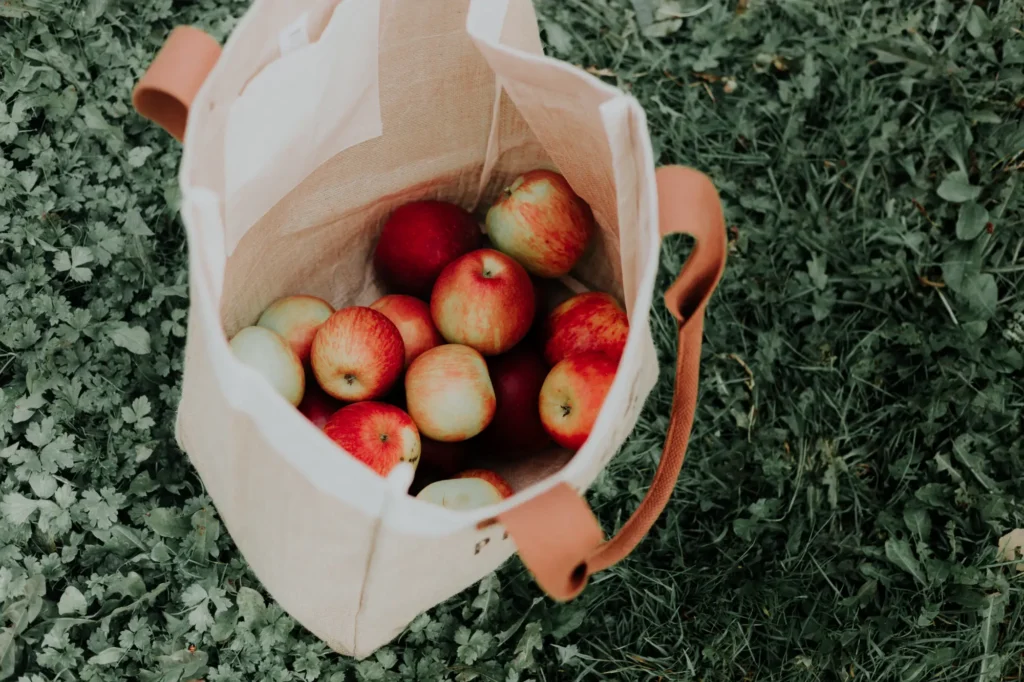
[447, 132]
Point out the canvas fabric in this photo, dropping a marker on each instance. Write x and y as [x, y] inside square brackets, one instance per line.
[320, 118]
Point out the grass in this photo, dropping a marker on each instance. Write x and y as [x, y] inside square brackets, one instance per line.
[856, 454]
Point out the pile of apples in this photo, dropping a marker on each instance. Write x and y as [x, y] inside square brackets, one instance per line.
[461, 357]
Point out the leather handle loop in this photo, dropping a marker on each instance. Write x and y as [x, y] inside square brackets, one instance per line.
[166, 91]
[688, 202]
[556, 560]
[558, 537]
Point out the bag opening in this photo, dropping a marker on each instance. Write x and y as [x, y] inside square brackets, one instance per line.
[461, 114]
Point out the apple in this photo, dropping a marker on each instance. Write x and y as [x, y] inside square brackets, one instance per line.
[590, 322]
[296, 319]
[484, 300]
[357, 354]
[412, 317]
[541, 223]
[499, 483]
[418, 240]
[535, 336]
[461, 493]
[449, 393]
[446, 459]
[572, 395]
[317, 406]
[377, 434]
[270, 355]
[517, 377]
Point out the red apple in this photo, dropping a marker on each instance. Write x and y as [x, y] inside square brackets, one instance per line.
[517, 377]
[446, 459]
[317, 406]
[449, 393]
[461, 493]
[419, 240]
[590, 322]
[572, 395]
[270, 355]
[357, 354]
[535, 336]
[412, 317]
[541, 223]
[377, 434]
[296, 319]
[499, 483]
[484, 300]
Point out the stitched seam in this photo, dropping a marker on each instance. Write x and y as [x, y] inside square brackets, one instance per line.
[371, 555]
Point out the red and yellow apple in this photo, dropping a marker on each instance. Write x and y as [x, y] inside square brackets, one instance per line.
[484, 300]
[317, 406]
[357, 354]
[517, 377]
[590, 322]
[461, 493]
[296, 319]
[377, 434]
[541, 222]
[499, 483]
[572, 395]
[412, 317]
[418, 240]
[270, 355]
[449, 393]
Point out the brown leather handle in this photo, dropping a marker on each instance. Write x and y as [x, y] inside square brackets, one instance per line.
[165, 92]
[556, 533]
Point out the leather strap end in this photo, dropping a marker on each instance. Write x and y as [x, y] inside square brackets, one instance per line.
[555, 532]
[166, 91]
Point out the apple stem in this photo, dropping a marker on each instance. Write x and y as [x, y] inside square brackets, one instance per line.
[566, 410]
[516, 184]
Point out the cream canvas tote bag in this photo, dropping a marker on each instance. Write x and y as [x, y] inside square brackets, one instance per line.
[316, 120]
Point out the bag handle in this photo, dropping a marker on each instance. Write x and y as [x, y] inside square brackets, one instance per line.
[166, 91]
[558, 537]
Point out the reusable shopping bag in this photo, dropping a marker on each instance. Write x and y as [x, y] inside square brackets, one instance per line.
[316, 121]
